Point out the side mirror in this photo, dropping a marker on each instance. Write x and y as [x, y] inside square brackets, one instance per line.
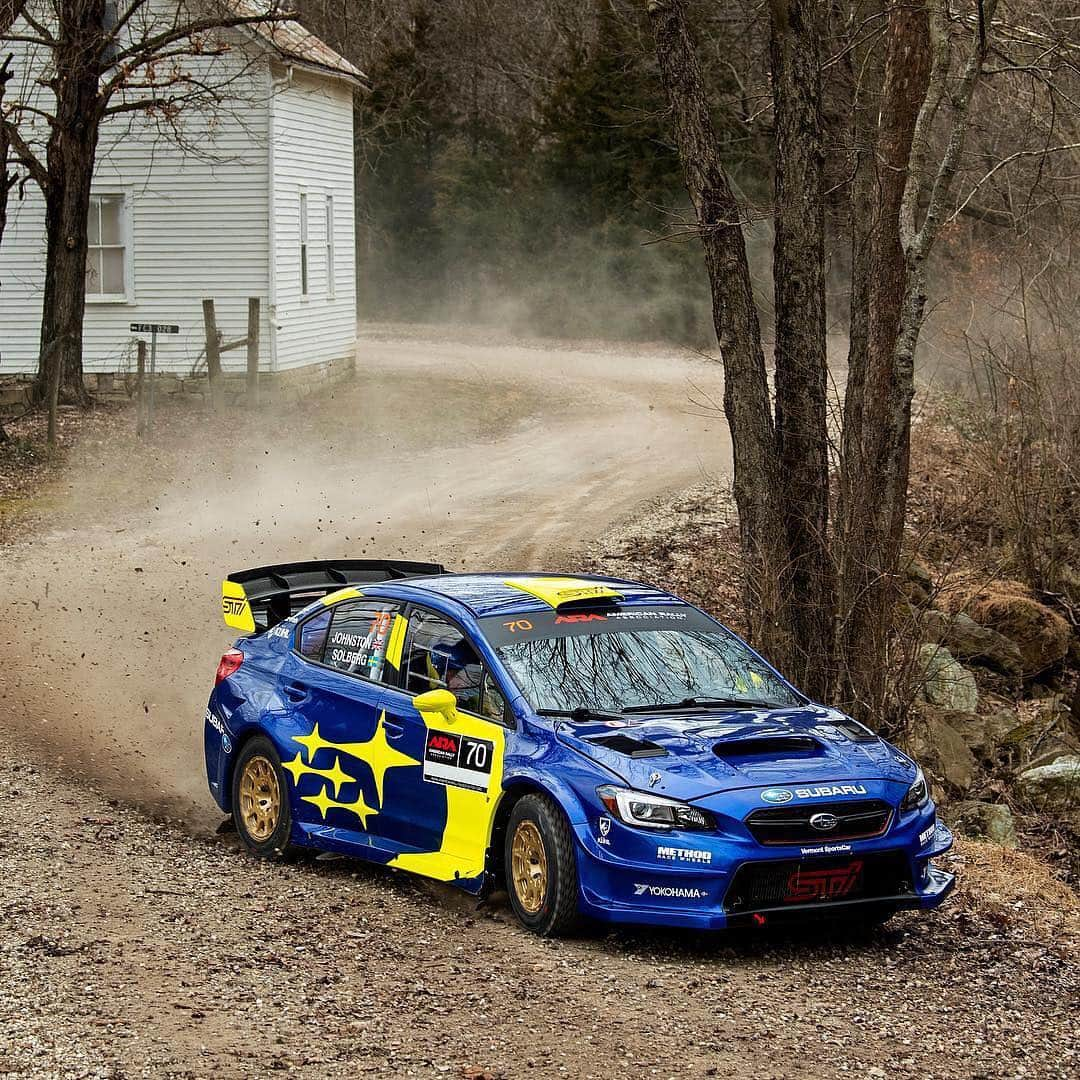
[437, 701]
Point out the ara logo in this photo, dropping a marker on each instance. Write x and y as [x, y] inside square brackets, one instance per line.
[776, 795]
[605, 828]
[678, 892]
[579, 618]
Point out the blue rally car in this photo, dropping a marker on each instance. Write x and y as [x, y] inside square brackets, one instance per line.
[601, 747]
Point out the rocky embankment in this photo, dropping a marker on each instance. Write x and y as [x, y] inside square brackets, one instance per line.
[994, 724]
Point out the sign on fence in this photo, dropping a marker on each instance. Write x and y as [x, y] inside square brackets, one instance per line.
[154, 328]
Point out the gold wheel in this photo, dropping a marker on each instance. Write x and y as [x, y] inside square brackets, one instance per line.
[528, 867]
[260, 798]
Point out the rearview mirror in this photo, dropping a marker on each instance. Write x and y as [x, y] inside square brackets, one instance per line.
[436, 701]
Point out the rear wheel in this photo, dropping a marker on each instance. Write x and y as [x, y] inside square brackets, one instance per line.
[260, 800]
[541, 870]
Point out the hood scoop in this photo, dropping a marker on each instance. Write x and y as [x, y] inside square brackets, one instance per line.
[623, 744]
[768, 746]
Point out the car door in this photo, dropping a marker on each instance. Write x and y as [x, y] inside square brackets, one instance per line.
[447, 805]
[340, 740]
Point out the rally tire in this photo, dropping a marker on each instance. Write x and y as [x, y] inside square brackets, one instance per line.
[554, 912]
[260, 801]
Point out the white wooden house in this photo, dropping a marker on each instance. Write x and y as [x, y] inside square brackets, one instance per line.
[257, 201]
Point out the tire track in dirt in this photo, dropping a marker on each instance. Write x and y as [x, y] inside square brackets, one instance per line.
[476, 455]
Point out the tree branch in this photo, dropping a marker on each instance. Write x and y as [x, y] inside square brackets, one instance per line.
[145, 50]
[24, 155]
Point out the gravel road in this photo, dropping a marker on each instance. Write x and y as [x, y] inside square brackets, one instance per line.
[135, 942]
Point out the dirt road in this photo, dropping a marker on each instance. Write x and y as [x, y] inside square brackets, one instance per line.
[487, 456]
[134, 948]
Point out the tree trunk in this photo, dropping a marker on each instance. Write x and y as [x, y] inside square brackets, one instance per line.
[877, 413]
[746, 390]
[70, 155]
[800, 351]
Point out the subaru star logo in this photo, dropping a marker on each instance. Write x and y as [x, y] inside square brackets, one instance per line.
[824, 822]
[777, 795]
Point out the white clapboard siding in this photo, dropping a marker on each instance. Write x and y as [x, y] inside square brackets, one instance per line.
[204, 217]
[198, 227]
[312, 152]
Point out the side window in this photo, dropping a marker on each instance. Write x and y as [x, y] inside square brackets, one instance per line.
[359, 632]
[492, 703]
[441, 658]
[312, 635]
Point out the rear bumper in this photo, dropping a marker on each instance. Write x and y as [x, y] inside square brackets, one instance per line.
[698, 897]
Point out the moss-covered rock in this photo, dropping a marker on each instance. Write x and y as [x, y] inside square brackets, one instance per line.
[992, 821]
[1042, 635]
[944, 682]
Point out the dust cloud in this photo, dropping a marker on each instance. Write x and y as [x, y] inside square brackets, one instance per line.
[479, 455]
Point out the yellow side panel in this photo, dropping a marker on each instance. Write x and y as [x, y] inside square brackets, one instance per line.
[470, 814]
[396, 642]
[561, 590]
[235, 607]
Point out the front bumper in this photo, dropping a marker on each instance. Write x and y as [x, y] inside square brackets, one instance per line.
[689, 882]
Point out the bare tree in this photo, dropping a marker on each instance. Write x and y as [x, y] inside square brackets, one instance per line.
[9, 11]
[90, 61]
[738, 330]
[782, 483]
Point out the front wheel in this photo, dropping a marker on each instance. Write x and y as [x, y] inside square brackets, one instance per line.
[260, 800]
[541, 870]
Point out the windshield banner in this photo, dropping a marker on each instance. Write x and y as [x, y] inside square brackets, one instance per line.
[533, 625]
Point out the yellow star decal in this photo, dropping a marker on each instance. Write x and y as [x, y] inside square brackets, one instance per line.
[312, 743]
[380, 755]
[376, 753]
[337, 776]
[324, 803]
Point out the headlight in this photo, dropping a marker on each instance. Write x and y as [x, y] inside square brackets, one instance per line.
[918, 794]
[653, 811]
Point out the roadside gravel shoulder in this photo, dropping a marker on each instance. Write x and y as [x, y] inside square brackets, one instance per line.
[129, 948]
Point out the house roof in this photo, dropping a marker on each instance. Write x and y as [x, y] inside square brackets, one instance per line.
[294, 42]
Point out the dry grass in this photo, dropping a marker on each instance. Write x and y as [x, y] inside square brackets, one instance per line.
[1015, 892]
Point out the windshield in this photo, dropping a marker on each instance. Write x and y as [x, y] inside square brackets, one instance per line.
[588, 663]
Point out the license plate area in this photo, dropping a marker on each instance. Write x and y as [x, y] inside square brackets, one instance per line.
[790, 883]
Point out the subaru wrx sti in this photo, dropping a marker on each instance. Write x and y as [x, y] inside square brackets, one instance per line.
[601, 748]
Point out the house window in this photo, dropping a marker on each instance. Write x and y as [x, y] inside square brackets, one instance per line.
[303, 245]
[330, 245]
[108, 254]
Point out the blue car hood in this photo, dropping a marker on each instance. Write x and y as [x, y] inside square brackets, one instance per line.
[702, 754]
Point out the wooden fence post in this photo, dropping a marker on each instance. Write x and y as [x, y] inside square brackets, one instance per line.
[213, 355]
[253, 352]
[140, 391]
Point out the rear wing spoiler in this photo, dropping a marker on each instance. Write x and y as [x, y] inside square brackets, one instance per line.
[256, 600]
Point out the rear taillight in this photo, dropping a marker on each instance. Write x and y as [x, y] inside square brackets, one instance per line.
[230, 663]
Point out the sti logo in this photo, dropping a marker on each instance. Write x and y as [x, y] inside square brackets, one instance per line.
[233, 605]
[806, 886]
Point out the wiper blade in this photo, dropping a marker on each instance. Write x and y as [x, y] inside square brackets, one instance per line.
[703, 703]
[581, 713]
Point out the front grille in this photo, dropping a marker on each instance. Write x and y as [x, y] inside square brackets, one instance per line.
[794, 882]
[791, 824]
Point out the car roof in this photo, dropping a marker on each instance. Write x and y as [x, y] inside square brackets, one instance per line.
[494, 593]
